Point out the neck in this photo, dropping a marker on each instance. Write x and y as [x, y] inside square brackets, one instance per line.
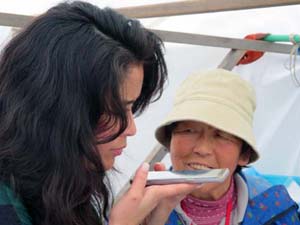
[213, 194]
[203, 212]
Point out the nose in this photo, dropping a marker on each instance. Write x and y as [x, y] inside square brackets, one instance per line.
[131, 128]
[203, 146]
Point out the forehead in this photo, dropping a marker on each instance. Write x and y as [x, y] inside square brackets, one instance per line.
[197, 124]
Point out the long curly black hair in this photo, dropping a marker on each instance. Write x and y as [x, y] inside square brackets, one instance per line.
[58, 76]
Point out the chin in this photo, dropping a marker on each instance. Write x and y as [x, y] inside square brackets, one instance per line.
[108, 165]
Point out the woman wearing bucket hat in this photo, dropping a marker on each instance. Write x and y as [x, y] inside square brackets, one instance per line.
[210, 126]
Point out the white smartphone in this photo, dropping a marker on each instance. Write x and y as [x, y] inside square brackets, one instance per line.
[187, 176]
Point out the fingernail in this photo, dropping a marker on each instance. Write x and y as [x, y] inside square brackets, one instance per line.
[145, 166]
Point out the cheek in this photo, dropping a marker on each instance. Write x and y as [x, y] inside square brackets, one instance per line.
[106, 128]
[178, 152]
[106, 156]
[102, 134]
[101, 148]
[228, 157]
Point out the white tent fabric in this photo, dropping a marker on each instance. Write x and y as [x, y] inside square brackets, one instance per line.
[276, 120]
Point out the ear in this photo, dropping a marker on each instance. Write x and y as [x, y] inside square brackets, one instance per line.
[244, 158]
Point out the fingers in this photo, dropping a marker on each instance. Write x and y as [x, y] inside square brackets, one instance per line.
[140, 178]
[159, 167]
[132, 208]
[175, 189]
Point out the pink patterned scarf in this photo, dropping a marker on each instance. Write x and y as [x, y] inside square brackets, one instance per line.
[209, 212]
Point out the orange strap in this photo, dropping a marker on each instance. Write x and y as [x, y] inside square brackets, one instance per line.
[251, 56]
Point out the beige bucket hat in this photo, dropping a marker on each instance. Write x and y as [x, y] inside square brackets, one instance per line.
[219, 98]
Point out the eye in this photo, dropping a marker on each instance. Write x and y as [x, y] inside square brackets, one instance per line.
[184, 131]
[225, 136]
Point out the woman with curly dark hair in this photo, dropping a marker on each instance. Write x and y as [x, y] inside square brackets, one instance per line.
[70, 83]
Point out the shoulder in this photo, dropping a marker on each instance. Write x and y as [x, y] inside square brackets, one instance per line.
[255, 182]
[272, 205]
[12, 211]
[268, 202]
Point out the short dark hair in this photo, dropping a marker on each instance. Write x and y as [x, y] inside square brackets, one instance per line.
[244, 150]
[58, 76]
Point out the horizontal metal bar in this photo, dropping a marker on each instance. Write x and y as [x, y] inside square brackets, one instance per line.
[169, 9]
[223, 42]
[14, 20]
[199, 6]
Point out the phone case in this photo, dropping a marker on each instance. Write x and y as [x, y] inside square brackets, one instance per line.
[187, 176]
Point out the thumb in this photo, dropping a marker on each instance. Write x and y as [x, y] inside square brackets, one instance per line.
[140, 177]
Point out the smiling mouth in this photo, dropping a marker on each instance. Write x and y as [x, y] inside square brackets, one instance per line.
[197, 166]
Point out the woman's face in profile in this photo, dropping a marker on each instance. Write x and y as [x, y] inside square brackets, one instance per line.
[130, 90]
[195, 145]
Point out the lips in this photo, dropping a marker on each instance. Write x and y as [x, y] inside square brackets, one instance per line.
[117, 151]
